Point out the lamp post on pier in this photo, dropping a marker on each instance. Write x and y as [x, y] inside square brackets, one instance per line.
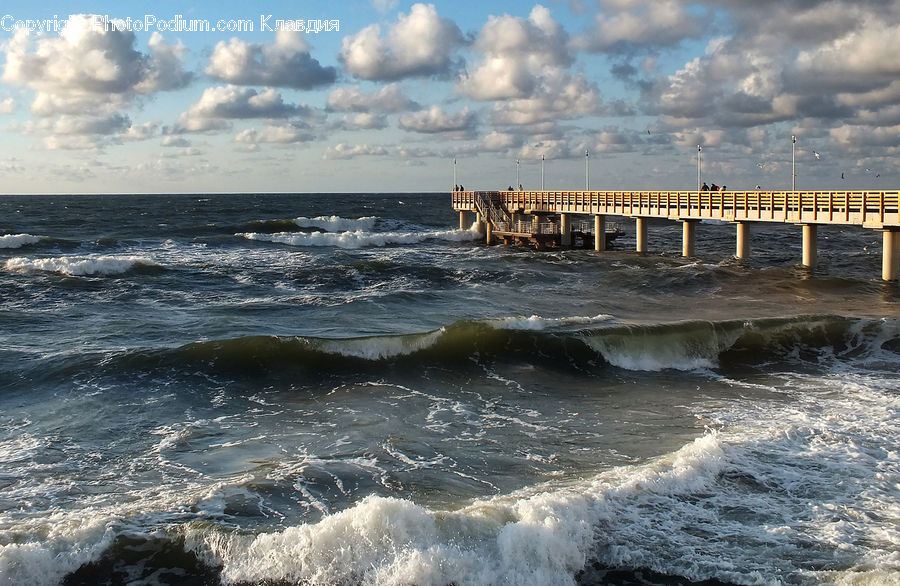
[454, 173]
[587, 170]
[517, 174]
[793, 164]
[542, 172]
[699, 149]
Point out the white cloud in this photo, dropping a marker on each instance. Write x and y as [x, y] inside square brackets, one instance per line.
[72, 143]
[172, 140]
[137, 132]
[570, 97]
[365, 120]
[85, 77]
[389, 99]
[281, 134]
[79, 125]
[7, 106]
[230, 102]
[518, 55]
[501, 141]
[285, 63]
[644, 24]
[84, 60]
[420, 43]
[347, 151]
[435, 120]
[164, 68]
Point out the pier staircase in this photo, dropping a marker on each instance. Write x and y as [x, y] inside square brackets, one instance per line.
[488, 204]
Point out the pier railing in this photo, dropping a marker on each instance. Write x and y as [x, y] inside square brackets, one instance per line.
[871, 209]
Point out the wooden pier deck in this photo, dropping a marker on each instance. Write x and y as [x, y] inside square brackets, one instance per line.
[505, 213]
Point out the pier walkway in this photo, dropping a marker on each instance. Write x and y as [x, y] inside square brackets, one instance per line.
[534, 216]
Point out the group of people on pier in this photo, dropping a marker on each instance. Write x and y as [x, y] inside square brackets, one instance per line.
[458, 188]
[712, 187]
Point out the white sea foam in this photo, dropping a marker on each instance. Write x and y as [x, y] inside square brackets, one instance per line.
[535, 537]
[359, 238]
[18, 240]
[732, 505]
[537, 323]
[337, 223]
[379, 347]
[768, 480]
[79, 266]
[67, 542]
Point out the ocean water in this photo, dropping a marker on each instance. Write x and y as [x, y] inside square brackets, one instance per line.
[345, 389]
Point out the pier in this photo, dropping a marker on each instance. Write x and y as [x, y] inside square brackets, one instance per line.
[557, 217]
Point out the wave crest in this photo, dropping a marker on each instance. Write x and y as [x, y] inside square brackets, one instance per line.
[359, 238]
[80, 266]
[18, 240]
[337, 223]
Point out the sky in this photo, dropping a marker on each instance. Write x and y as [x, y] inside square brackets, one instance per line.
[391, 96]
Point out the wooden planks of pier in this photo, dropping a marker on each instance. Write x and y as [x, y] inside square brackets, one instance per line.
[499, 211]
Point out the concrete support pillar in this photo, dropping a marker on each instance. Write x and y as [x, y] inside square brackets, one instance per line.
[488, 233]
[688, 228]
[535, 224]
[599, 233]
[565, 230]
[479, 223]
[640, 234]
[890, 266]
[809, 245]
[464, 220]
[743, 240]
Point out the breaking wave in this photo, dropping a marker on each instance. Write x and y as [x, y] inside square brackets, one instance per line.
[561, 343]
[18, 240]
[80, 266]
[337, 223]
[359, 238]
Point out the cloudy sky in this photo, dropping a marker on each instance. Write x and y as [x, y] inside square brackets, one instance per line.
[383, 95]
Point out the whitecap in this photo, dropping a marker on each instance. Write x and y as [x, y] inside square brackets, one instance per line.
[538, 323]
[18, 240]
[359, 238]
[79, 266]
[337, 223]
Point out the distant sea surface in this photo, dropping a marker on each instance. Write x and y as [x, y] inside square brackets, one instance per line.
[348, 389]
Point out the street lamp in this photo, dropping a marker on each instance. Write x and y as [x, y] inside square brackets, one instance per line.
[793, 164]
[454, 173]
[517, 174]
[542, 172]
[587, 171]
[699, 149]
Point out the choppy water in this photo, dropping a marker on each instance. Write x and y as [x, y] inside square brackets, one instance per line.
[344, 389]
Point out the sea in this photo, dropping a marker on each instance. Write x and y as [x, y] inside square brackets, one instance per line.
[348, 389]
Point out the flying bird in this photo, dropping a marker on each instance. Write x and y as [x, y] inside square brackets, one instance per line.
[842, 174]
[818, 156]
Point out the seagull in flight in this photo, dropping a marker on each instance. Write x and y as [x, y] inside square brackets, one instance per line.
[818, 156]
